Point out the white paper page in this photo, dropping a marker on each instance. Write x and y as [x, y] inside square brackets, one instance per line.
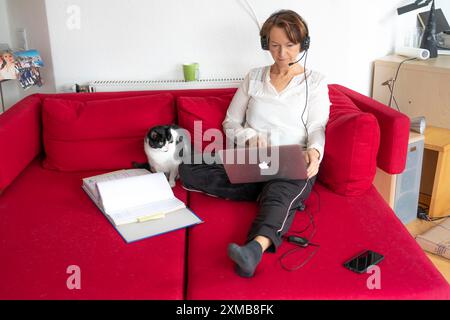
[90, 182]
[133, 192]
[155, 208]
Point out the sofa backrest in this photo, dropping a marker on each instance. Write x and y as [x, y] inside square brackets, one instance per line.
[126, 94]
[390, 157]
[20, 138]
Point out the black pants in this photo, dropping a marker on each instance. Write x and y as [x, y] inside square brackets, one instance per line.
[278, 199]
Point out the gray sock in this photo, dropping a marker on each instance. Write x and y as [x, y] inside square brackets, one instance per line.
[246, 257]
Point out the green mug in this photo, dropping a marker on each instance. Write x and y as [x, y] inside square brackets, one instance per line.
[191, 71]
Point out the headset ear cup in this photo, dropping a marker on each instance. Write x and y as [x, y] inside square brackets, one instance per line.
[306, 42]
[264, 43]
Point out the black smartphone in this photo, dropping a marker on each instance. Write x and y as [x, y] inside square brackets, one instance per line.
[363, 261]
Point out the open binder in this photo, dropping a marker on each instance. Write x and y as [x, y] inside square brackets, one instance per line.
[139, 204]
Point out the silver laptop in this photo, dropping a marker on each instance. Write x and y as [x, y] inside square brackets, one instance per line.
[245, 165]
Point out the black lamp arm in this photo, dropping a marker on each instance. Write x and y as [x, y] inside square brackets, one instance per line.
[413, 6]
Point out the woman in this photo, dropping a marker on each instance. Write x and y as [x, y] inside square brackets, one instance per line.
[290, 103]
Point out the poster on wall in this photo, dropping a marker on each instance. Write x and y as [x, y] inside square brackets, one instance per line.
[23, 66]
[28, 64]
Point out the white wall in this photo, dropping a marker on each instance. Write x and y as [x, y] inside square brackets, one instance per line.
[150, 39]
[10, 90]
[4, 25]
[30, 15]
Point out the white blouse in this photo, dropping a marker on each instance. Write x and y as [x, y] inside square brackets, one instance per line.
[257, 107]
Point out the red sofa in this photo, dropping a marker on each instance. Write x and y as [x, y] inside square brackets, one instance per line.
[49, 142]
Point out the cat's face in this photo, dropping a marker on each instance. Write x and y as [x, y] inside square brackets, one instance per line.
[159, 138]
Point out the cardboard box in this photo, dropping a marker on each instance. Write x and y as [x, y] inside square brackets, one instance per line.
[437, 239]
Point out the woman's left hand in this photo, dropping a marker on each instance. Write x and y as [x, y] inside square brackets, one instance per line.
[312, 159]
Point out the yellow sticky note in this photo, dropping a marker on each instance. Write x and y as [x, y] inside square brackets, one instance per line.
[152, 217]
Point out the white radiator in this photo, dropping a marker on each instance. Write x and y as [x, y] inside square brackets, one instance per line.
[125, 85]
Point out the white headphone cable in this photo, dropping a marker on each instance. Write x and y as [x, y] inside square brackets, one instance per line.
[254, 14]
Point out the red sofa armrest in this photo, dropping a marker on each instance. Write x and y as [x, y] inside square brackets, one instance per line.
[20, 138]
[394, 131]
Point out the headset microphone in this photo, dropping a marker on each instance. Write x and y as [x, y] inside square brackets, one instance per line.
[292, 63]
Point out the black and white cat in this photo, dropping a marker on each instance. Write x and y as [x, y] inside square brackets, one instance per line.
[165, 147]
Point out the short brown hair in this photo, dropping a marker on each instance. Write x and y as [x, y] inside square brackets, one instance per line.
[294, 25]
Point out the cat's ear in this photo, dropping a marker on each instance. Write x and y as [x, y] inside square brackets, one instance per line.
[169, 135]
[153, 135]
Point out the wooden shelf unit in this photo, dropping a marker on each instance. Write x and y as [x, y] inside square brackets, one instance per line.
[422, 89]
[435, 183]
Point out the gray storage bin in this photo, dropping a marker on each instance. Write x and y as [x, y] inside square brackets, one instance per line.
[407, 193]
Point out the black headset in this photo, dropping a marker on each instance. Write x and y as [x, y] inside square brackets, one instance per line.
[306, 40]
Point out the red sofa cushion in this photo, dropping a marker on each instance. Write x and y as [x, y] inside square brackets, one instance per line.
[394, 130]
[101, 134]
[58, 225]
[345, 226]
[210, 111]
[20, 138]
[352, 139]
